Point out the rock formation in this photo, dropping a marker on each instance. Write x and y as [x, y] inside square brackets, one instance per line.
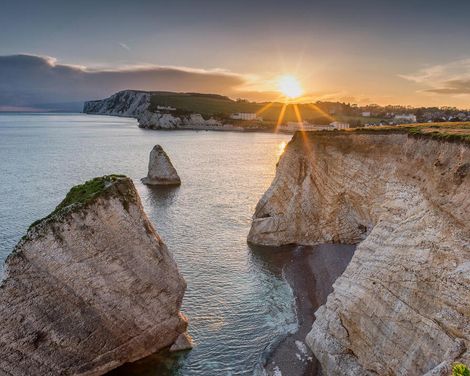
[136, 104]
[128, 103]
[402, 307]
[161, 170]
[89, 287]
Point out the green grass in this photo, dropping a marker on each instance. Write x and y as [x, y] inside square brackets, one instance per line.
[458, 131]
[221, 107]
[460, 369]
[86, 191]
[81, 194]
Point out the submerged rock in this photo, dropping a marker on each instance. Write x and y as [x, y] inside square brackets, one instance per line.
[402, 306]
[183, 342]
[89, 287]
[161, 170]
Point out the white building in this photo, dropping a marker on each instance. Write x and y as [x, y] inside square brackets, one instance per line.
[405, 118]
[293, 126]
[165, 108]
[339, 125]
[245, 116]
[366, 114]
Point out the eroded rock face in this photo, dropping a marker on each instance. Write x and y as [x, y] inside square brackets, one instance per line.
[402, 307]
[136, 103]
[161, 170]
[89, 288]
[127, 103]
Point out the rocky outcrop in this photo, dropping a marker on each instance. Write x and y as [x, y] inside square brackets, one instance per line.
[161, 170]
[402, 307]
[135, 104]
[157, 120]
[127, 103]
[90, 287]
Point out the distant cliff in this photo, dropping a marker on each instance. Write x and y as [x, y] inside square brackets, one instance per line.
[136, 104]
[130, 103]
[89, 287]
[402, 307]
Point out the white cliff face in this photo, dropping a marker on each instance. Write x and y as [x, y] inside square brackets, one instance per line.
[128, 103]
[132, 103]
[152, 120]
[89, 288]
[161, 170]
[402, 307]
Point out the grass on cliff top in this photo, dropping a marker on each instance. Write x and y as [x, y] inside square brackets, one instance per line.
[82, 193]
[211, 105]
[460, 369]
[450, 131]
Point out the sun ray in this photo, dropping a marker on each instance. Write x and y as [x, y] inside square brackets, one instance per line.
[318, 109]
[264, 108]
[304, 134]
[281, 116]
[297, 114]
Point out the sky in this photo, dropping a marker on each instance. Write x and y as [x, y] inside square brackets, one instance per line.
[410, 52]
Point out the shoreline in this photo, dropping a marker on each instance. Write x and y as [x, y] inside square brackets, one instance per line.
[311, 272]
[217, 128]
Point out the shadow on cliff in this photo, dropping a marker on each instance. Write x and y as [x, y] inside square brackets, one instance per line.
[311, 272]
[163, 363]
[270, 259]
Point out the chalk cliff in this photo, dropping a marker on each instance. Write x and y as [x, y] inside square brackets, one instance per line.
[135, 104]
[128, 103]
[89, 287]
[402, 307]
[161, 170]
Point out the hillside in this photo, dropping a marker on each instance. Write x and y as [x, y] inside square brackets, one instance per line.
[134, 103]
[220, 106]
[196, 109]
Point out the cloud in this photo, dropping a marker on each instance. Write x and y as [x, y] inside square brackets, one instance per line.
[449, 79]
[32, 81]
[125, 46]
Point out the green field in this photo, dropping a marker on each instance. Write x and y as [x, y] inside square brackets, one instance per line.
[451, 131]
[209, 105]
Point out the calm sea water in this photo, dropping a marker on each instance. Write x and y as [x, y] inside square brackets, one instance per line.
[237, 302]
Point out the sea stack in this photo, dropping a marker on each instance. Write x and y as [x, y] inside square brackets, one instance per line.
[89, 287]
[402, 306]
[161, 170]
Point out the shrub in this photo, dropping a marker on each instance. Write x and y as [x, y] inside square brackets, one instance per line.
[460, 369]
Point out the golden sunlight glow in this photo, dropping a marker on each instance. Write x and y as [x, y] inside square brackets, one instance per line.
[281, 147]
[289, 86]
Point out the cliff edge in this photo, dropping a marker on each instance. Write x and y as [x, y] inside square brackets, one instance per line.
[137, 104]
[403, 304]
[89, 287]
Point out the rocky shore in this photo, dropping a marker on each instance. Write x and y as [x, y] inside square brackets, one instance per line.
[311, 272]
[402, 305]
[136, 104]
[90, 287]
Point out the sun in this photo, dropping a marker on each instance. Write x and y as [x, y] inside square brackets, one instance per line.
[289, 86]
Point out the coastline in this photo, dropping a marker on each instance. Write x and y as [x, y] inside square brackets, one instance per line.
[311, 272]
[217, 128]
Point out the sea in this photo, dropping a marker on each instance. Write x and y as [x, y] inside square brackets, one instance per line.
[238, 302]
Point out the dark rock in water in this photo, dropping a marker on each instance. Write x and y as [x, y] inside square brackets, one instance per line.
[90, 287]
[161, 170]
